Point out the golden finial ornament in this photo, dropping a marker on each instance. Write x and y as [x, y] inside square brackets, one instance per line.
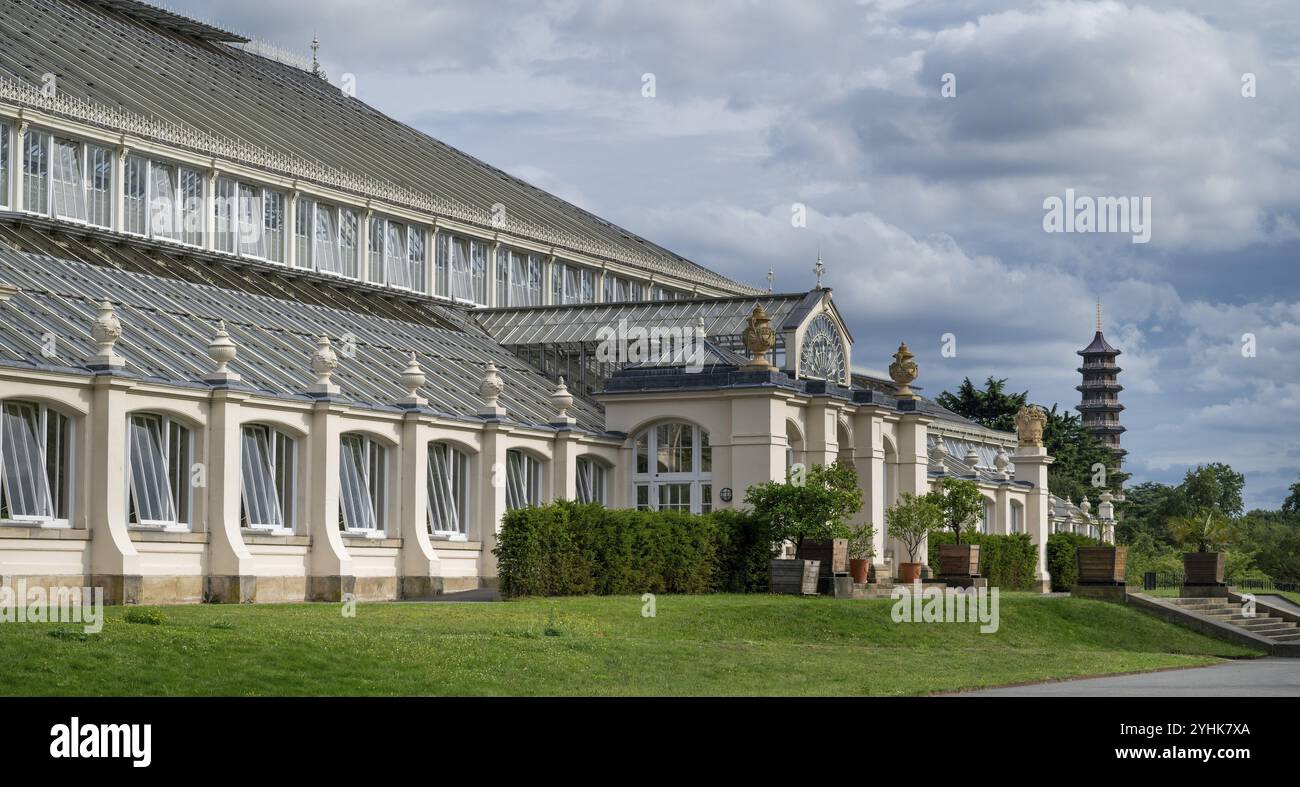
[904, 371]
[759, 339]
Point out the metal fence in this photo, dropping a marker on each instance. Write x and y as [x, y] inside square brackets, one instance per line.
[1174, 579]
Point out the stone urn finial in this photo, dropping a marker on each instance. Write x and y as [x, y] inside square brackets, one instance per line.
[490, 387]
[938, 453]
[904, 371]
[972, 457]
[1001, 462]
[759, 338]
[323, 362]
[413, 379]
[1030, 421]
[562, 400]
[1085, 506]
[106, 330]
[222, 350]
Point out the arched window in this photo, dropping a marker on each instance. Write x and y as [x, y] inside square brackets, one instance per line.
[448, 505]
[523, 480]
[160, 456]
[35, 463]
[268, 460]
[987, 520]
[1017, 517]
[363, 484]
[674, 468]
[591, 481]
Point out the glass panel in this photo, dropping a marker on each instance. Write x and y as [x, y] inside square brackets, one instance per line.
[462, 284]
[572, 293]
[68, 186]
[162, 201]
[224, 215]
[348, 228]
[395, 257]
[588, 286]
[354, 485]
[447, 478]
[675, 446]
[534, 280]
[523, 480]
[706, 452]
[273, 225]
[151, 497]
[4, 165]
[286, 463]
[503, 275]
[58, 462]
[327, 244]
[261, 503]
[26, 485]
[643, 497]
[192, 200]
[643, 453]
[134, 194]
[441, 263]
[415, 248]
[706, 498]
[375, 249]
[478, 272]
[583, 480]
[378, 479]
[675, 497]
[251, 222]
[302, 211]
[178, 469]
[36, 171]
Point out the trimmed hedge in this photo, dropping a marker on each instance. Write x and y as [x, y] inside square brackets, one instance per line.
[1008, 561]
[1061, 548]
[567, 548]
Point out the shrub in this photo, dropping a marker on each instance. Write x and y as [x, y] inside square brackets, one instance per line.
[812, 508]
[1061, 548]
[145, 616]
[1008, 561]
[567, 549]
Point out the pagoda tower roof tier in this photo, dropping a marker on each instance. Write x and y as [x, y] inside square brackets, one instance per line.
[1098, 347]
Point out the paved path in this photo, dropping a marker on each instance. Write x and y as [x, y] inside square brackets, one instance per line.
[1269, 677]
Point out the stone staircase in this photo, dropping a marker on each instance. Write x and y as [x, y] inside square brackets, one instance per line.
[1222, 610]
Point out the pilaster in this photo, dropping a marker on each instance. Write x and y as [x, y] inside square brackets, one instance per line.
[329, 564]
[228, 556]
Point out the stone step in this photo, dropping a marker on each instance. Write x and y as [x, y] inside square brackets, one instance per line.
[1292, 637]
[1254, 623]
[1274, 629]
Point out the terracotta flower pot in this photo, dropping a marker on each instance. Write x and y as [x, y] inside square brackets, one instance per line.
[859, 568]
[909, 572]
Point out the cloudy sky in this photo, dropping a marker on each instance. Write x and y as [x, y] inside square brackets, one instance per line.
[927, 208]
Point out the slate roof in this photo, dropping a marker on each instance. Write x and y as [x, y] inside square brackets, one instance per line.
[111, 55]
[169, 302]
[1099, 346]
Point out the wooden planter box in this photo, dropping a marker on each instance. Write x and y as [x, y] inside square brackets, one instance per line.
[833, 554]
[959, 560]
[1203, 568]
[795, 577]
[1101, 565]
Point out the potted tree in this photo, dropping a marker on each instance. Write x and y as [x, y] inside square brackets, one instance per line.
[816, 510]
[961, 505]
[1207, 533]
[862, 547]
[910, 521]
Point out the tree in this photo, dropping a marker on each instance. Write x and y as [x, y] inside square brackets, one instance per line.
[1292, 503]
[960, 503]
[991, 407]
[817, 509]
[1147, 507]
[911, 519]
[1214, 486]
[1206, 531]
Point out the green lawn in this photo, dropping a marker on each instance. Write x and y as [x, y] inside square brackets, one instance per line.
[590, 646]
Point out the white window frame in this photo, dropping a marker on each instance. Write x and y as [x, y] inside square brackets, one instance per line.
[699, 479]
[274, 437]
[379, 506]
[458, 489]
[7, 144]
[592, 474]
[178, 204]
[533, 483]
[167, 425]
[67, 468]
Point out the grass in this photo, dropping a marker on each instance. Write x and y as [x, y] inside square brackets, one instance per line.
[696, 645]
[1172, 592]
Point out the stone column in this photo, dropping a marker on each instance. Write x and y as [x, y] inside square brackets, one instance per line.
[492, 497]
[210, 211]
[913, 470]
[1031, 465]
[420, 565]
[329, 564]
[869, 459]
[1002, 510]
[822, 444]
[564, 465]
[757, 444]
[114, 561]
[232, 577]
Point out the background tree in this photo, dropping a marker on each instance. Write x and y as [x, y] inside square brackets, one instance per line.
[1292, 503]
[992, 407]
